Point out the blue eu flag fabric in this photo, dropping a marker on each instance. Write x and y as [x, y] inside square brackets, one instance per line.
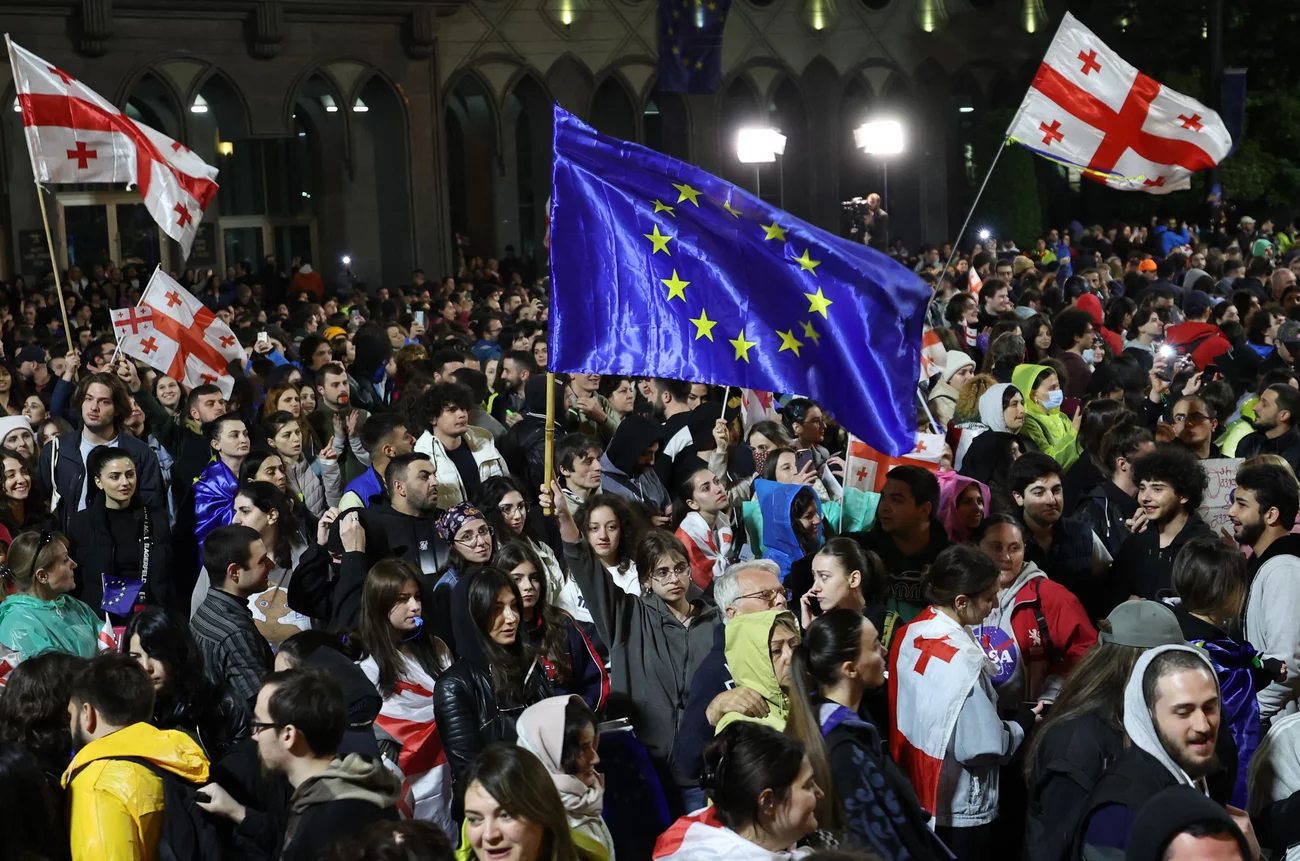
[690, 44]
[660, 269]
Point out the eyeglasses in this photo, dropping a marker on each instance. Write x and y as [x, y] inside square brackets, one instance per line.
[483, 532]
[1191, 418]
[254, 727]
[767, 595]
[510, 510]
[664, 575]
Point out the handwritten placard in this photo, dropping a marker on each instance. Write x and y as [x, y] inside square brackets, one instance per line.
[1222, 472]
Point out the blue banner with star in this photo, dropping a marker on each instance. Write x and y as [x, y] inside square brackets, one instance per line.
[660, 269]
[690, 44]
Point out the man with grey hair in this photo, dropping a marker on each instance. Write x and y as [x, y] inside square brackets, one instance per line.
[751, 586]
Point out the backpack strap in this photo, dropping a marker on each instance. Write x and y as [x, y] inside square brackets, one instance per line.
[1053, 655]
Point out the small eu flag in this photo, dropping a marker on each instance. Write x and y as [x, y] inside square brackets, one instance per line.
[660, 269]
[690, 44]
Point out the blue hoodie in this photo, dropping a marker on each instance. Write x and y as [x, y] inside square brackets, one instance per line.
[774, 501]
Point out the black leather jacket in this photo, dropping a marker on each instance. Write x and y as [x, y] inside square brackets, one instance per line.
[216, 726]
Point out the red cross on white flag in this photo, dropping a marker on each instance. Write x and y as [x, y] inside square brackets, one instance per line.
[1089, 109]
[867, 468]
[179, 336]
[75, 135]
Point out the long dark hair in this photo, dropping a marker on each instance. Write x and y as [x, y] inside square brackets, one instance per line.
[490, 496]
[834, 638]
[509, 664]
[520, 784]
[37, 501]
[850, 554]
[554, 622]
[35, 828]
[384, 582]
[958, 570]
[742, 761]
[187, 696]
[1095, 685]
[268, 498]
[631, 525]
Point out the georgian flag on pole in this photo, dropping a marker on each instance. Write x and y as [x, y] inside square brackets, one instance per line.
[75, 135]
[867, 468]
[172, 332]
[1089, 109]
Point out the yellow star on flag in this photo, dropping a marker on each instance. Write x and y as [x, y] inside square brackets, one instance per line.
[660, 206]
[688, 193]
[818, 303]
[806, 263]
[676, 287]
[676, 50]
[727, 206]
[704, 326]
[789, 342]
[774, 231]
[742, 346]
[811, 334]
[660, 241]
[699, 64]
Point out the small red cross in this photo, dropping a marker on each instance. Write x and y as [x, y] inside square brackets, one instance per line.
[172, 299]
[937, 647]
[1051, 133]
[82, 156]
[1156, 183]
[68, 80]
[1193, 122]
[862, 474]
[177, 146]
[135, 319]
[183, 217]
[1090, 63]
[207, 378]
[149, 345]
[920, 446]
[227, 341]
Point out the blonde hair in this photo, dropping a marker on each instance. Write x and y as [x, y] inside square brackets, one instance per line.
[968, 401]
[27, 556]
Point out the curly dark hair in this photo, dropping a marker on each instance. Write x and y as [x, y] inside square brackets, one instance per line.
[1178, 468]
[440, 397]
[34, 708]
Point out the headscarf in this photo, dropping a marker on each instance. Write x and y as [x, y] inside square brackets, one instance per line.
[951, 486]
[454, 518]
[541, 732]
[991, 410]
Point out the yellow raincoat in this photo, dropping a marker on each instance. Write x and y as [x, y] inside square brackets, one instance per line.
[749, 658]
[116, 807]
[1052, 432]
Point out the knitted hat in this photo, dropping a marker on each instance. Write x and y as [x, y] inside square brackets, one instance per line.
[1020, 265]
[9, 424]
[956, 361]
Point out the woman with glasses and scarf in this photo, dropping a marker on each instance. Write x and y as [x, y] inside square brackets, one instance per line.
[472, 542]
[656, 641]
[124, 548]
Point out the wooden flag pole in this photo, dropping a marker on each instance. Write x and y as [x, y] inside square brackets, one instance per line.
[54, 264]
[548, 467]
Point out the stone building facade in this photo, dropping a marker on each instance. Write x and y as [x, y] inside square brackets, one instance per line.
[382, 129]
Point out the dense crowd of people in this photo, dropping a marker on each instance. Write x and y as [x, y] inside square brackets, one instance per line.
[341, 613]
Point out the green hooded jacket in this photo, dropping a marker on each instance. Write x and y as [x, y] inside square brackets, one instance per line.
[1052, 432]
[32, 627]
[749, 658]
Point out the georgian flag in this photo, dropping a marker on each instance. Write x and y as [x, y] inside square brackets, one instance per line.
[757, 406]
[934, 356]
[933, 665]
[75, 135]
[171, 331]
[1089, 109]
[867, 468]
[110, 638]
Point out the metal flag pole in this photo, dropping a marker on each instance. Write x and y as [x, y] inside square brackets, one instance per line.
[726, 396]
[548, 466]
[54, 263]
[956, 244]
[934, 425]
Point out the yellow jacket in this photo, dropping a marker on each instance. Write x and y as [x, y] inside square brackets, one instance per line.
[116, 807]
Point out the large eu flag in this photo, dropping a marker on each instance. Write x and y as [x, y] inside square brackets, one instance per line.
[690, 44]
[660, 269]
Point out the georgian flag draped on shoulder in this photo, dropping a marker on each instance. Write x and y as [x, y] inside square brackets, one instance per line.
[933, 665]
[76, 135]
[173, 332]
[1089, 109]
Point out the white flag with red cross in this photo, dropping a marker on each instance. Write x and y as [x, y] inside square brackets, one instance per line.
[76, 135]
[866, 468]
[172, 332]
[1089, 109]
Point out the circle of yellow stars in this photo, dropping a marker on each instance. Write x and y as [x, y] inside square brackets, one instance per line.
[698, 13]
[818, 302]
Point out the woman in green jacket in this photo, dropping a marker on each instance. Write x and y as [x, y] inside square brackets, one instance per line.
[41, 616]
[1045, 425]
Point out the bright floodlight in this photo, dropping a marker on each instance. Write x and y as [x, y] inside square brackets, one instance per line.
[883, 137]
[984, 234]
[759, 146]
